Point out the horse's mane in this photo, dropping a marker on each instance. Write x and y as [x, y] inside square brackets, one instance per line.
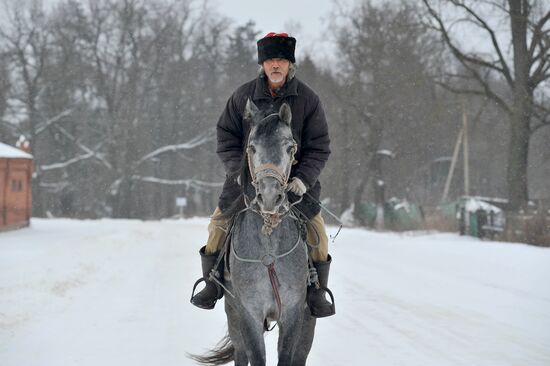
[268, 126]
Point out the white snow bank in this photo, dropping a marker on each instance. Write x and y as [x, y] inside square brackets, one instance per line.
[472, 205]
[116, 292]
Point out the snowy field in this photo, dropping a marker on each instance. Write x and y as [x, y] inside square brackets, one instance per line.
[116, 293]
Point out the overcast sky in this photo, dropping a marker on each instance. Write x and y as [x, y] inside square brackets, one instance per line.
[310, 20]
[312, 16]
[282, 15]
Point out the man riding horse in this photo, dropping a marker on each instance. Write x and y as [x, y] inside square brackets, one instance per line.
[275, 85]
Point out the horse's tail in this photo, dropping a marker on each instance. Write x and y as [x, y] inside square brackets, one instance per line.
[220, 355]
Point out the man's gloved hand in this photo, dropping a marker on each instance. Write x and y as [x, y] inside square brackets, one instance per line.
[297, 187]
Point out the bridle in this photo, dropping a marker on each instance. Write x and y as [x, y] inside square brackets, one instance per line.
[270, 220]
[270, 170]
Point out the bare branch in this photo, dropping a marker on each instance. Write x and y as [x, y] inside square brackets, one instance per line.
[538, 34]
[461, 56]
[83, 147]
[11, 126]
[496, 4]
[542, 72]
[66, 163]
[459, 90]
[505, 70]
[488, 91]
[186, 182]
[194, 142]
[52, 120]
[543, 117]
[468, 62]
[539, 126]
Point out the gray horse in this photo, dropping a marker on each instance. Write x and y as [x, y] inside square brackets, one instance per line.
[267, 278]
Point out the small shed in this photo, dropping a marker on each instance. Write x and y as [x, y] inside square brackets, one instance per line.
[15, 187]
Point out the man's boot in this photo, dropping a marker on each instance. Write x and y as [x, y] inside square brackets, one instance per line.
[206, 299]
[318, 304]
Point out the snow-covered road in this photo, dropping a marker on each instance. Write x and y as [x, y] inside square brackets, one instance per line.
[116, 292]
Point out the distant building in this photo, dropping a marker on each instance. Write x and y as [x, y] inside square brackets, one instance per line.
[15, 187]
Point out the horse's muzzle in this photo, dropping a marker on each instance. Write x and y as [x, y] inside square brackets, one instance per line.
[270, 195]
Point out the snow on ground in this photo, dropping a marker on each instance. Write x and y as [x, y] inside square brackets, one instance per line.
[116, 292]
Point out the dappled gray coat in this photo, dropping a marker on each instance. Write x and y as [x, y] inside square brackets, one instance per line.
[309, 127]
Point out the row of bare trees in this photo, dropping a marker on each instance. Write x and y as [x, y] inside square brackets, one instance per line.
[409, 72]
[524, 70]
[119, 99]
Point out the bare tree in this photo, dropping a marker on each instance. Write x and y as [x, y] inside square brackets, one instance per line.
[386, 99]
[27, 38]
[524, 72]
[5, 88]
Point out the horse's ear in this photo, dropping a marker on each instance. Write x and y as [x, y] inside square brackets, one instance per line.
[285, 113]
[250, 110]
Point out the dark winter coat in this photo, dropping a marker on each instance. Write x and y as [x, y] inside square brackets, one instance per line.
[309, 127]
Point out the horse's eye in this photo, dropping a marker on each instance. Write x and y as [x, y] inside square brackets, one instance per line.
[251, 149]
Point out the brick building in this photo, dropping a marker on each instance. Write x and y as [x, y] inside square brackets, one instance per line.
[15, 187]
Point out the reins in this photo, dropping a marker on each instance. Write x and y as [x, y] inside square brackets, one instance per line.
[270, 221]
[268, 260]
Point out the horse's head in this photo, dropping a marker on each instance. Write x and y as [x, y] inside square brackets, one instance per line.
[270, 151]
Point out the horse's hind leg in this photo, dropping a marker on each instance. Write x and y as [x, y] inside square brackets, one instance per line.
[289, 335]
[306, 340]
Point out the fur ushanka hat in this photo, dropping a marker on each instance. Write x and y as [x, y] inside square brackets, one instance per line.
[276, 45]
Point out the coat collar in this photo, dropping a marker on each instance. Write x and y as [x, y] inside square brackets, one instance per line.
[261, 90]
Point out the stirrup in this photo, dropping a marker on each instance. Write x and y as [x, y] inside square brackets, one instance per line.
[219, 290]
[331, 303]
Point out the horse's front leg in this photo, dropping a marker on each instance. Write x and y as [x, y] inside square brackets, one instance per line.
[290, 326]
[233, 324]
[306, 339]
[252, 330]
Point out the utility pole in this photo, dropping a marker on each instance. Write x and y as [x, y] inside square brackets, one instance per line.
[466, 150]
[452, 168]
[461, 140]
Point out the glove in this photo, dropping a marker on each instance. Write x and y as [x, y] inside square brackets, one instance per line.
[297, 187]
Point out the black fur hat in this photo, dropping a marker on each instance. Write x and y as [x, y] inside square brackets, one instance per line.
[276, 45]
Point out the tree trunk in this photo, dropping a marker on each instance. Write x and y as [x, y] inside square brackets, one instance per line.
[37, 196]
[518, 151]
[371, 147]
[122, 207]
[345, 169]
[521, 110]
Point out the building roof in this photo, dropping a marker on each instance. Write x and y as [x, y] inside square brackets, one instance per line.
[7, 151]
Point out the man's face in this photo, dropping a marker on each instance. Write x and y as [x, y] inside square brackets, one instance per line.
[276, 69]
